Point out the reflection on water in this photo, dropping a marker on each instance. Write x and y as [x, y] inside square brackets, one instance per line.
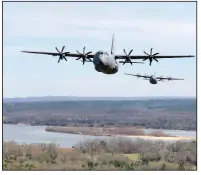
[37, 134]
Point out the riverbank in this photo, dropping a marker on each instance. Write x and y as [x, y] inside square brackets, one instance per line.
[37, 134]
[105, 131]
[167, 138]
[129, 132]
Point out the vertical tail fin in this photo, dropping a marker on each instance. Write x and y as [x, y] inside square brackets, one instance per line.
[112, 47]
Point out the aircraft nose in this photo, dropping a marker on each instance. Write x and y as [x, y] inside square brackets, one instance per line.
[103, 60]
[115, 68]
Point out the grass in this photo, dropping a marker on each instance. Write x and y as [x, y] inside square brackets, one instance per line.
[134, 156]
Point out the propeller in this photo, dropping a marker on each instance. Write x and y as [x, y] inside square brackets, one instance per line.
[83, 56]
[146, 76]
[160, 78]
[150, 56]
[169, 78]
[138, 75]
[127, 60]
[61, 54]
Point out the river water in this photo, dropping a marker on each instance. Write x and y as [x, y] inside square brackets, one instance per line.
[37, 134]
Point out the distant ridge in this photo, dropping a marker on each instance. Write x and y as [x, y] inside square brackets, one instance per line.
[77, 98]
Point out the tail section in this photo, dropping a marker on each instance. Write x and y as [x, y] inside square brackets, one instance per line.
[112, 47]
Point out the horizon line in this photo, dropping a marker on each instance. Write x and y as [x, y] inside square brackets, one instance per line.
[103, 96]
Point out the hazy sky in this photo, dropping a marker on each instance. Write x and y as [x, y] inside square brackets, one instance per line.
[170, 28]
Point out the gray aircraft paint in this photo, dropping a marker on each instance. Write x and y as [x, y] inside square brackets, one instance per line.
[152, 80]
[105, 62]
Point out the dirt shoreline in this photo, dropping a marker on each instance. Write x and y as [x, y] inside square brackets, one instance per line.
[160, 138]
[166, 138]
[146, 137]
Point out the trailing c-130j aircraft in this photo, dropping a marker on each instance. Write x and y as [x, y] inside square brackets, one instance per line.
[107, 62]
[153, 79]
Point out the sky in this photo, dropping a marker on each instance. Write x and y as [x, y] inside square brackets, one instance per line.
[168, 27]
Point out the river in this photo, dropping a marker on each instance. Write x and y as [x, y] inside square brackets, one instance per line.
[37, 134]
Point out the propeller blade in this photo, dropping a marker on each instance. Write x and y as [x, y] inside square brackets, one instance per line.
[60, 58]
[84, 56]
[57, 49]
[64, 57]
[125, 61]
[88, 53]
[155, 54]
[130, 52]
[125, 52]
[89, 59]
[146, 53]
[78, 58]
[150, 62]
[151, 51]
[130, 62]
[155, 59]
[62, 49]
[78, 52]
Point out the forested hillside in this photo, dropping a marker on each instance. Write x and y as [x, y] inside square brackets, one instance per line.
[159, 114]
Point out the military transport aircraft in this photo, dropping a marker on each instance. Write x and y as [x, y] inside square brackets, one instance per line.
[153, 79]
[106, 62]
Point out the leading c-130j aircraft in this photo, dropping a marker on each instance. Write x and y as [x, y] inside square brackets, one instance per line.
[105, 62]
[153, 79]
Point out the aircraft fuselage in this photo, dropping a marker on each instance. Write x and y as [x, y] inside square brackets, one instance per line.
[105, 63]
[153, 80]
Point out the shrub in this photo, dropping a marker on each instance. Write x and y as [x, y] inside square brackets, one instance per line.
[163, 166]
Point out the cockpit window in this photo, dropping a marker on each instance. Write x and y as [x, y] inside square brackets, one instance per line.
[106, 53]
[101, 53]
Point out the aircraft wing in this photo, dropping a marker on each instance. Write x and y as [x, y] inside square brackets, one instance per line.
[157, 57]
[168, 78]
[137, 75]
[62, 55]
[78, 55]
[150, 58]
[58, 54]
[44, 53]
